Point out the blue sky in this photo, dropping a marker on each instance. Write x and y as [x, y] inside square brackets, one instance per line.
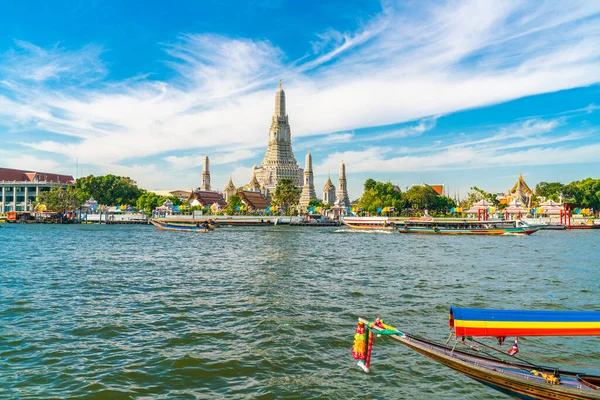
[465, 93]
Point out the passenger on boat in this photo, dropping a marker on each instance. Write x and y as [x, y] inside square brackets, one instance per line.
[205, 225]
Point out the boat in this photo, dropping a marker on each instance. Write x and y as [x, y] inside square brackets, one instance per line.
[467, 227]
[370, 223]
[211, 224]
[178, 228]
[504, 372]
[589, 224]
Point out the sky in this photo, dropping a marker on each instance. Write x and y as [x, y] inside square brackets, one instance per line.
[463, 93]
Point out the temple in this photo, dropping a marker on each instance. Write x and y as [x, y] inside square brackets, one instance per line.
[279, 161]
[229, 189]
[329, 192]
[519, 195]
[342, 194]
[308, 190]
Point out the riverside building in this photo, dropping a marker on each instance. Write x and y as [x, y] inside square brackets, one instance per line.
[20, 188]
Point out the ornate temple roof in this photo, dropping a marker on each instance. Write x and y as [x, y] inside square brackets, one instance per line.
[230, 186]
[255, 200]
[254, 184]
[521, 186]
[328, 185]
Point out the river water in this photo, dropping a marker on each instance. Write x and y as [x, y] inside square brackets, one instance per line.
[133, 312]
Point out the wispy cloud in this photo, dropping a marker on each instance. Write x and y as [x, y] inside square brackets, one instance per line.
[29, 62]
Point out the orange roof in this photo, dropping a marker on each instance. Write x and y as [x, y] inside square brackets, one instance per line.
[253, 199]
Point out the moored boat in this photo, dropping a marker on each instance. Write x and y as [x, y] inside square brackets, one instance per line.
[179, 228]
[504, 372]
[370, 223]
[467, 227]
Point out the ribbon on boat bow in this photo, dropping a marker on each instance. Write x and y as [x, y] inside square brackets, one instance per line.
[364, 334]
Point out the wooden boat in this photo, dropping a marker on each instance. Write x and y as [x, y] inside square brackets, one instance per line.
[178, 228]
[211, 224]
[506, 373]
[370, 223]
[467, 227]
[585, 226]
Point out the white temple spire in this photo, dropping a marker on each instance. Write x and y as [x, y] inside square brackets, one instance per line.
[308, 189]
[205, 175]
[342, 194]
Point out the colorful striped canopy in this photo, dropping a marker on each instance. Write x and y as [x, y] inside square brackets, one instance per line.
[482, 322]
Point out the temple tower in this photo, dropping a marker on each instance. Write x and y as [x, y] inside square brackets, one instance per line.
[342, 194]
[205, 175]
[308, 189]
[329, 192]
[279, 161]
[229, 189]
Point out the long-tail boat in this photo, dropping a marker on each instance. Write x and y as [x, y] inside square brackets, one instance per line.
[467, 227]
[179, 228]
[496, 368]
[370, 223]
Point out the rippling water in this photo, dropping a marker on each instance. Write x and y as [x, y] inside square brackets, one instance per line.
[133, 312]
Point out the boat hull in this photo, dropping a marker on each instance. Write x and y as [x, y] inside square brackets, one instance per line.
[512, 378]
[497, 232]
[177, 228]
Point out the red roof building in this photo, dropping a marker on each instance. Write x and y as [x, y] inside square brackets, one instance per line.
[19, 188]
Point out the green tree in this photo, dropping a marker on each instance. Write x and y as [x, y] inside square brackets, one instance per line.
[422, 197]
[549, 190]
[475, 195]
[585, 193]
[315, 203]
[147, 202]
[443, 204]
[61, 199]
[286, 195]
[378, 195]
[233, 202]
[110, 189]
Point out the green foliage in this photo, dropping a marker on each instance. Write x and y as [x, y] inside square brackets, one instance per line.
[233, 202]
[584, 193]
[148, 201]
[443, 204]
[286, 195]
[110, 189]
[422, 197]
[315, 203]
[61, 199]
[379, 195]
[475, 195]
[549, 190]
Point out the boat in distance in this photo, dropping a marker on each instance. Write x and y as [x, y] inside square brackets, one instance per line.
[371, 223]
[504, 372]
[467, 227]
[163, 226]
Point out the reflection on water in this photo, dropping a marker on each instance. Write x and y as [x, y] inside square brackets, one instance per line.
[130, 311]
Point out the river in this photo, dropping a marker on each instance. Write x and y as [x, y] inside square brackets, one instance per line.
[134, 312]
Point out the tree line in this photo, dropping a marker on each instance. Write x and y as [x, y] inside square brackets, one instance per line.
[384, 195]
